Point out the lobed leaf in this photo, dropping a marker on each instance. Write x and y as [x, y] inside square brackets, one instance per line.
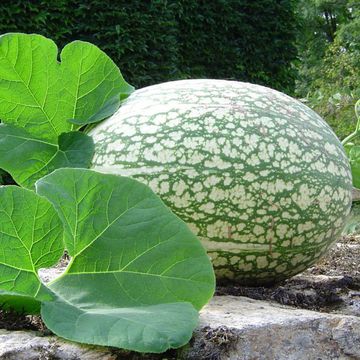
[40, 94]
[28, 158]
[109, 108]
[30, 239]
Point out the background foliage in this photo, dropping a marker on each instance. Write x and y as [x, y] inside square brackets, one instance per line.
[159, 40]
[306, 48]
[329, 60]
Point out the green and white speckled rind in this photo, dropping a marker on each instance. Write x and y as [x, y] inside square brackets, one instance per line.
[258, 176]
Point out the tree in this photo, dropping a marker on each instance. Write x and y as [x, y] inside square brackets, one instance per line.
[160, 40]
[329, 75]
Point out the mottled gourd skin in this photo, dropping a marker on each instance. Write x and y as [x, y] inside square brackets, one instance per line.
[258, 176]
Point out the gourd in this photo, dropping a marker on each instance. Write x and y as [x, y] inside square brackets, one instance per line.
[258, 176]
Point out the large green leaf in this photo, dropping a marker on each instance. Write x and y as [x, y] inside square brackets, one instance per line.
[40, 94]
[137, 271]
[109, 108]
[30, 238]
[28, 158]
[153, 328]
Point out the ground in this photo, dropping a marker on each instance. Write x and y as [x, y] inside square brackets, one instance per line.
[332, 285]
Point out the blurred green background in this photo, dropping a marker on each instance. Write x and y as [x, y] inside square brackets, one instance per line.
[306, 48]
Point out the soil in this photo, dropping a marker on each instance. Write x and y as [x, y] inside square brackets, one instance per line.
[342, 260]
[332, 285]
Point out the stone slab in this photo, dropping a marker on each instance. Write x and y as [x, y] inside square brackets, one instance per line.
[231, 328]
[28, 345]
[242, 328]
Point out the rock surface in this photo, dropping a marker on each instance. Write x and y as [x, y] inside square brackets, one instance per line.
[242, 328]
[231, 327]
[28, 345]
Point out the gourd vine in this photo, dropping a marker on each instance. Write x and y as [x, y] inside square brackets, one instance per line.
[356, 133]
